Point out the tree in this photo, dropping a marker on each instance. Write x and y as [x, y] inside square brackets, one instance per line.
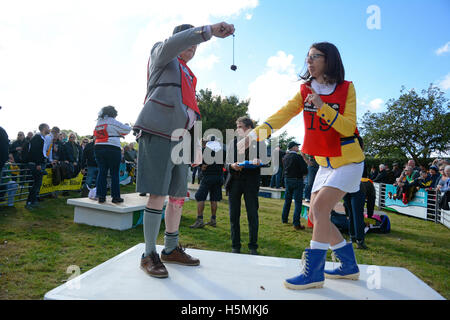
[283, 140]
[414, 126]
[220, 113]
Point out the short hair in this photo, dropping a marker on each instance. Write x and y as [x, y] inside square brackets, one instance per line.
[55, 130]
[42, 126]
[382, 166]
[334, 71]
[108, 111]
[248, 123]
[182, 27]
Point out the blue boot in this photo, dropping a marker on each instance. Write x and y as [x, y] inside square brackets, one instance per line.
[348, 268]
[311, 276]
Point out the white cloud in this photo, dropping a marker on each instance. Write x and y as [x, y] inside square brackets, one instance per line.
[373, 105]
[376, 104]
[273, 89]
[445, 83]
[248, 16]
[61, 61]
[206, 63]
[444, 49]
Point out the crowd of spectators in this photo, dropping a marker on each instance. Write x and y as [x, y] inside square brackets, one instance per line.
[65, 154]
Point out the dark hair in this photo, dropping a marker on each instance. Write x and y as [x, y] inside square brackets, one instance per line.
[182, 27]
[334, 72]
[42, 126]
[248, 123]
[109, 111]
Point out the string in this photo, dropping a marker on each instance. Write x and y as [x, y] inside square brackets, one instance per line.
[233, 49]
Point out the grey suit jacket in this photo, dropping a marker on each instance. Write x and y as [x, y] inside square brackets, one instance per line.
[164, 111]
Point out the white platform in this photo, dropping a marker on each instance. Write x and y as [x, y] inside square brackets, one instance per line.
[228, 276]
[108, 214]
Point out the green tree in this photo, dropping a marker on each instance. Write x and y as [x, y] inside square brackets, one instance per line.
[414, 126]
[220, 113]
[283, 140]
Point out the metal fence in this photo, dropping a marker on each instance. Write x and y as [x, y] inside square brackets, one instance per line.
[15, 182]
[433, 213]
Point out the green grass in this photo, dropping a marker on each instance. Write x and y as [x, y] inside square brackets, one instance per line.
[37, 247]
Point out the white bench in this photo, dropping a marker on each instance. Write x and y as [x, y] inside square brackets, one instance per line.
[121, 216]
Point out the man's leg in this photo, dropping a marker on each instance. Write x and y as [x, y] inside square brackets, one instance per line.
[200, 197]
[298, 198]
[152, 222]
[234, 202]
[251, 190]
[287, 201]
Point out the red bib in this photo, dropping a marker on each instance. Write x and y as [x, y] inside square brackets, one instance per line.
[101, 133]
[188, 84]
[320, 138]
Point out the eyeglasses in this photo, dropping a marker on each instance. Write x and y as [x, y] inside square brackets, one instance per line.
[314, 57]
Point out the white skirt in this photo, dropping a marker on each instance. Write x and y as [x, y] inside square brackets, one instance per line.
[346, 178]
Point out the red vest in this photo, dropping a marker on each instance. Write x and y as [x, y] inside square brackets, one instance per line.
[188, 84]
[320, 138]
[101, 133]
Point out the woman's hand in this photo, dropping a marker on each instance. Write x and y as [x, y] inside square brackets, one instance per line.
[314, 98]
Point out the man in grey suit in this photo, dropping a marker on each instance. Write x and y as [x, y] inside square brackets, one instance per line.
[170, 104]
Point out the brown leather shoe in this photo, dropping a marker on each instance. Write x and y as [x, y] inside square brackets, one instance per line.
[179, 256]
[153, 266]
[299, 227]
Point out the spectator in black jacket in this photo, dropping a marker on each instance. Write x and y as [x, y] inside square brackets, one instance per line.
[4, 147]
[17, 146]
[295, 168]
[396, 170]
[211, 182]
[89, 164]
[36, 163]
[72, 154]
[382, 176]
[243, 180]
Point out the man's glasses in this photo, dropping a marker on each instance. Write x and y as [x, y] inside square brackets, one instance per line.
[314, 57]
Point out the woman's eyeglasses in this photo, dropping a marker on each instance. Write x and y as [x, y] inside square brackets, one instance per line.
[314, 57]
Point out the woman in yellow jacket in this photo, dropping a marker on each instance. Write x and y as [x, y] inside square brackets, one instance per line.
[328, 103]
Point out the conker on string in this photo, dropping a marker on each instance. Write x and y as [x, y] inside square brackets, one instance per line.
[233, 67]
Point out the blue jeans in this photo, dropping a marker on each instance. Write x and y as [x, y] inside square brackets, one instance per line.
[354, 208]
[275, 181]
[108, 159]
[92, 173]
[312, 171]
[294, 190]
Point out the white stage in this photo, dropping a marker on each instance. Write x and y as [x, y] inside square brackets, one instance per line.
[228, 276]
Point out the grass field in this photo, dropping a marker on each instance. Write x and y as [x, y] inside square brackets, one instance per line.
[37, 247]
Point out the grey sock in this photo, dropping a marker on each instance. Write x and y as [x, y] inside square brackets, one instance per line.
[152, 222]
[170, 242]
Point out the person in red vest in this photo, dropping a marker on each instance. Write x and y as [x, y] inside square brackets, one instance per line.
[328, 103]
[170, 104]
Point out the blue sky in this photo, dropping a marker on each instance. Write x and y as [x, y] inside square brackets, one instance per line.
[61, 61]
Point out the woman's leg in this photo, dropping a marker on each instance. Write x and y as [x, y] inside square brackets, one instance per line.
[114, 167]
[322, 202]
[102, 173]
